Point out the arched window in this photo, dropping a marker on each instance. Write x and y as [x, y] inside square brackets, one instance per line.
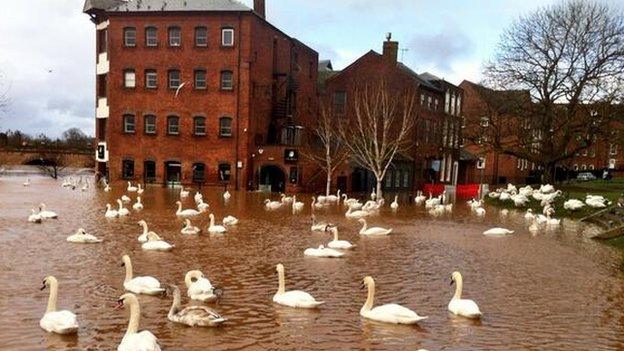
[129, 34]
[149, 124]
[175, 36]
[199, 126]
[129, 124]
[173, 125]
[227, 80]
[225, 127]
[151, 36]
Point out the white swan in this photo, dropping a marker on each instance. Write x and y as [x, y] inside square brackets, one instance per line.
[122, 211]
[186, 213]
[227, 195]
[336, 243]
[107, 188]
[389, 313]
[125, 198]
[139, 285]
[34, 217]
[110, 213]
[317, 226]
[286, 199]
[138, 206]
[202, 206]
[155, 243]
[230, 220]
[317, 205]
[480, 211]
[293, 298]
[27, 182]
[82, 237]
[498, 232]
[143, 237]
[462, 307]
[272, 205]
[333, 198]
[134, 340]
[356, 213]
[297, 206]
[199, 287]
[192, 316]
[374, 230]
[46, 214]
[322, 251]
[420, 198]
[198, 197]
[140, 189]
[131, 188]
[529, 215]
[215, 229]
[183, 193]
[573, 204]
[53, 321]
[395, 204]
[190, 229]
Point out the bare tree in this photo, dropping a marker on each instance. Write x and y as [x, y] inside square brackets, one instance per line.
[379, 127]
[570, 58]
[51, 163]
[327, 149]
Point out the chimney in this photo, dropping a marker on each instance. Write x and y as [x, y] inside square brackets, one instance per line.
[259, 8]
[390, 50]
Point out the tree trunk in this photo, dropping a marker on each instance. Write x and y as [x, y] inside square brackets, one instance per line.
[378, 190]
[328, 184]
[548, 177]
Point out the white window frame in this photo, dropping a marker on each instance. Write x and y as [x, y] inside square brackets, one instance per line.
[481, 163]
[130, 78]
[223, 36]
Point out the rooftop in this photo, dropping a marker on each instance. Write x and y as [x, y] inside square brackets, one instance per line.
[165, 5]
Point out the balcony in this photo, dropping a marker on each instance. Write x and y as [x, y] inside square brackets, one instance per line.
[103, 66]
[102, 110]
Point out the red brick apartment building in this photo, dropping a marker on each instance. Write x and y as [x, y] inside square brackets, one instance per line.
[436, 139]
[200, 92]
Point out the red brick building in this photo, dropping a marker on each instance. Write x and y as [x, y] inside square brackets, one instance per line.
[436, 138]
[204, 92]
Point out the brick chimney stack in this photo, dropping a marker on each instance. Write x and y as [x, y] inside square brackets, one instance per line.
[390, 50]
[259, 8]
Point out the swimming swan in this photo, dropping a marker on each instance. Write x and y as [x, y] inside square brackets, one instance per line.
[293, 298]
[34, 217]
[138, 206]
[498, 232]
[134, 340]
[139, 285]
[190, 229]
[143, 237]
[53, 321]
[356, 213]
[374, 230]
[230, 220]
[82, 237]
[459, 306]
[395, 204]
[122, 211]
[46, 214]
[198, 287]
[389, 313]
[155, 243]
[131, 189]
[110, 213]
[338, 244]
[318, 226]
[187, 212]
[215, 229]
[192, 316]
[322, 251]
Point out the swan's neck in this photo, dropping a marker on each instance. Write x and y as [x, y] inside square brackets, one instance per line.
[282, 284]
[335, 231]
[370, 299]
[135, 317]
[179, 207]
[145, 230]
[53, 297]
[120, 205]
[128, 266]
[212, 221]
[177, 302]
[188, 281]
[458, 288]
[364, 226]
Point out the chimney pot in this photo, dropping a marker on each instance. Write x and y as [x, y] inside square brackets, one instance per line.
[390, 50]
[259, 8]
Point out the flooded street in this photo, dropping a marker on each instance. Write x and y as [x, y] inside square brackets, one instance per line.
[551, 291]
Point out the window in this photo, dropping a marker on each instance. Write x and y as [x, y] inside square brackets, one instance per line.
[149, 171]
[129, 36]
[174, 79]
[201, 36]
[340, 102]
[151, 36]
[613, 149]
[200, 79]
[199, 173]
[199, 126]
[422, 99]
[485, 122]
[175, 36]
[224, 172]
[388, 180]
[173, 125]
[591, 167]
[227, 37]
[151, 79]
[575, 167]
[225, 127]
[129, 78]
[397, 179]
[149, 124]
[583, 167]
[612, 163]
[128, 124]
[481, 163]
[294, 175]
[127, 169]
[406, 179]
[227, 80]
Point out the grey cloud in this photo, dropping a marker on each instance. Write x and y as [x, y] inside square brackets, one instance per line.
[440, 49]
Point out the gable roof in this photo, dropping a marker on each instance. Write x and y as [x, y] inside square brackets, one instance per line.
[179, 5]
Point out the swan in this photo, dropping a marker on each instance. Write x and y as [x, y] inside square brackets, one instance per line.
[354, 204]
[202, 206]
[272, 205]
[215, 229]
[333, 198]
[125, 198]
[122, 211]
[356, 214]
[372, 206]
[131, 189]
[198, 197]
[573, 205]
[338, 244]
[85, 187]
[373, 230]
[27, 182]
[140, 189]
[138, 206]
[107, 188]
[529, 215]
[395, 204]
[110, 213]
[504, 212]
[388, 313]
[46, 214]
[190, 229]
[34, 217]
[227, 195]
[420, 198]
[317, 204]
[322, 251]
[155, 243]
[546, 189]
[143, 237]
[134, 340]
[139, 285]
[286, 199]
[459, 306]
[192, 316]
[82, 237]
[230, 220]
[186, 213]
[534, 227]
[480, 211]
[199, 287]
[498, 232]
[53, 321]
[297, 206]
[183, 193]
[292, 298]
[373, 195]
[317, 226]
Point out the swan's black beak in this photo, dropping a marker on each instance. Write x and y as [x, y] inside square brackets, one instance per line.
[362, 286]
[123, 264]
[452, 281]
[43, 287]
[119, 305]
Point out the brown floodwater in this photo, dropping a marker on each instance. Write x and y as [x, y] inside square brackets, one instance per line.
[552, 291]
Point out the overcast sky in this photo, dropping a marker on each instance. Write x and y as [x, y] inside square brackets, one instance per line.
[48, 63]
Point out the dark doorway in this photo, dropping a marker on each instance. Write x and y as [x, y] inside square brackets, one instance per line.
[173, 172]
[342, 183]
[362, 181]
[272, 179]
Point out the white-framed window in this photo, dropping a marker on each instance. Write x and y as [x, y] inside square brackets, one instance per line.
[583, 167]
[575, 167]
[129, 78]
[129, 124]
[227, 37]
[175, 36]
[174, 79]
[149, 122]
[591, 167]
[481, 163]
[129, 34]
[151, 79]
[201, 36]
[613, 149]
[227, 80]
[173, 125]
[612, 163]
[151, 36]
